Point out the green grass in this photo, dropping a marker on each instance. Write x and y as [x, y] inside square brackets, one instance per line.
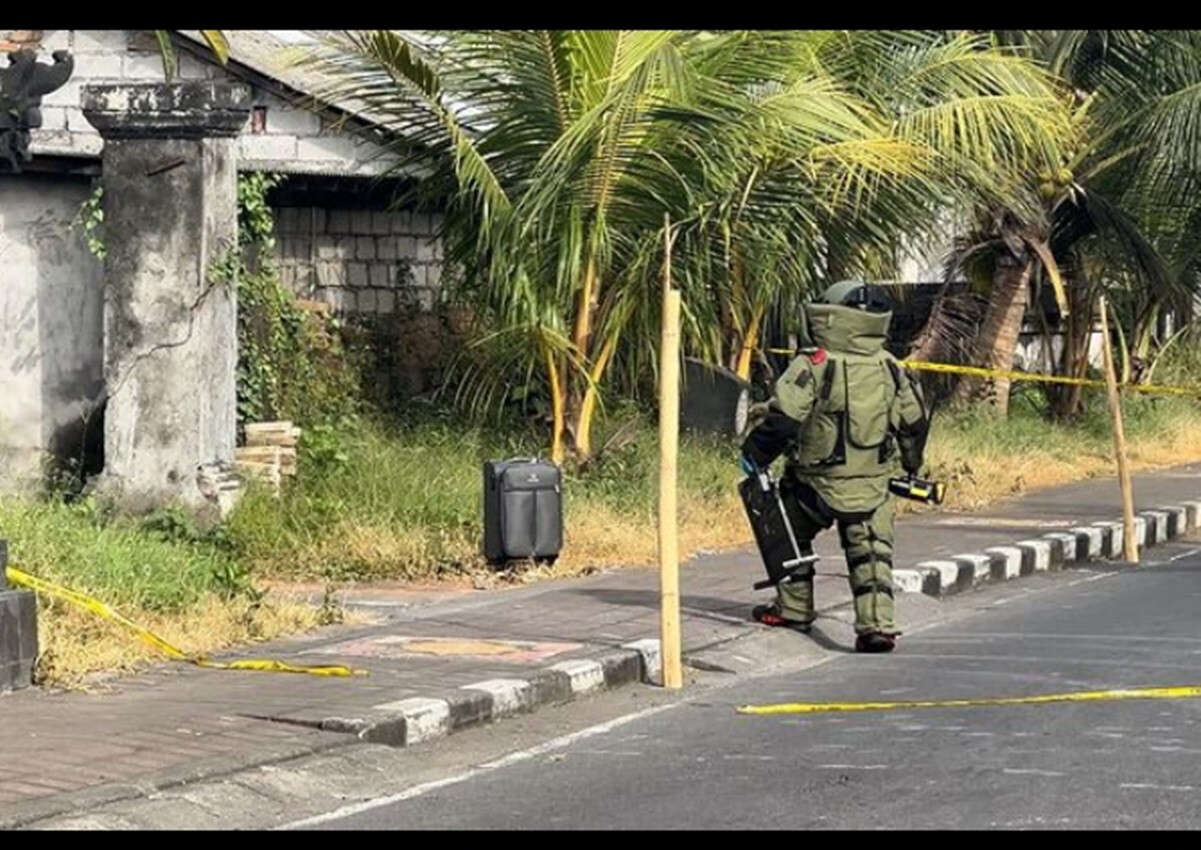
[187, 587]
[148, 565]
[404, 500]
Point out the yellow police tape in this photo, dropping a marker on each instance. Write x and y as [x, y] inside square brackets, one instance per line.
[24, 579]
[1013, 375]
[1178, 692]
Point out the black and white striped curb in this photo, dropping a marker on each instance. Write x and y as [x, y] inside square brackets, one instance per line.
[411, 721]
[1100, 540]
[417, 719]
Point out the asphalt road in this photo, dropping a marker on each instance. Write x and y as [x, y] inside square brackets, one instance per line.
[697, 764]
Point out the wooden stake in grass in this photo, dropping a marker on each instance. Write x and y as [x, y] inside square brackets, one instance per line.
[669, 438]
[1129, 540]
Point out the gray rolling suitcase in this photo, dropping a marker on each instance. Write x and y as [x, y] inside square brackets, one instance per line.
[523, 510]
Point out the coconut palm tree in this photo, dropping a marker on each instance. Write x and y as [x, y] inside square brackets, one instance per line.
[769, 151]
[1130, 169]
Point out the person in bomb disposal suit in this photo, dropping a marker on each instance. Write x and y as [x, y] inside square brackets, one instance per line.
[844, 413]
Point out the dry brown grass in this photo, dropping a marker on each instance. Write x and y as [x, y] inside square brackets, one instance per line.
[981, 472]
[76, 644]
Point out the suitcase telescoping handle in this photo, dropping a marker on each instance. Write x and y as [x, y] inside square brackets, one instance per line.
[790, 567]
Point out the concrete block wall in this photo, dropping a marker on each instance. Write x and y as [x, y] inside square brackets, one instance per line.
[360, 261]
[293, 139]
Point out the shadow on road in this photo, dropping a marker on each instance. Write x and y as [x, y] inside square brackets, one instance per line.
[708, 608]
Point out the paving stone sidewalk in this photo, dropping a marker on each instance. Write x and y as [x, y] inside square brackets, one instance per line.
[176, 723]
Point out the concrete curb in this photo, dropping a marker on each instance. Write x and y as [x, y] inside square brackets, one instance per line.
[419, 719]
[398, 724]
[1054, 551]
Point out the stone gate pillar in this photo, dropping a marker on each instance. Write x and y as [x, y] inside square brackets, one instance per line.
[170, 333]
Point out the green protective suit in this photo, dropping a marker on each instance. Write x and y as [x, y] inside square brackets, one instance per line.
[848, 418]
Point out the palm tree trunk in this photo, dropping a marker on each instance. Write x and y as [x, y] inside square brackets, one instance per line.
[750, 341]
[582, 429]
[997, 342]
[1145, 328]
[576, 396]
[555, 378]
[585, 307]
[734, 337]
[1067, 401]
[927, 344]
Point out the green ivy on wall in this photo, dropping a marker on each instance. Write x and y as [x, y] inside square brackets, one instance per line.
[291, 364]
[89, 223]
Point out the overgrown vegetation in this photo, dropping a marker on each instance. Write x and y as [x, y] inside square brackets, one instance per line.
[164, 570]
[781, 157]
[291, 362]
[405, 501]
[189, 586]
[985, 458]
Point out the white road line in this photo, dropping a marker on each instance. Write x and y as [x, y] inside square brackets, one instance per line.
[952, 636]
[1032, 772]
[1155, 787]
[486, 767]
[1097, 577]
[1038, 659]
[638, 753]
[853, 766]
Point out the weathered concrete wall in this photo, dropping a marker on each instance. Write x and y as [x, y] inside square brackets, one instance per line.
[170, 347]
[51, 325]
[360, 261]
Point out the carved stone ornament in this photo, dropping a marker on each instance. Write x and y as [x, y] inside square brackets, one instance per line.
[23, 84]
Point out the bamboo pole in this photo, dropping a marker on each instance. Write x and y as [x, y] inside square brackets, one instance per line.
[1129, 539]
[669, 437]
